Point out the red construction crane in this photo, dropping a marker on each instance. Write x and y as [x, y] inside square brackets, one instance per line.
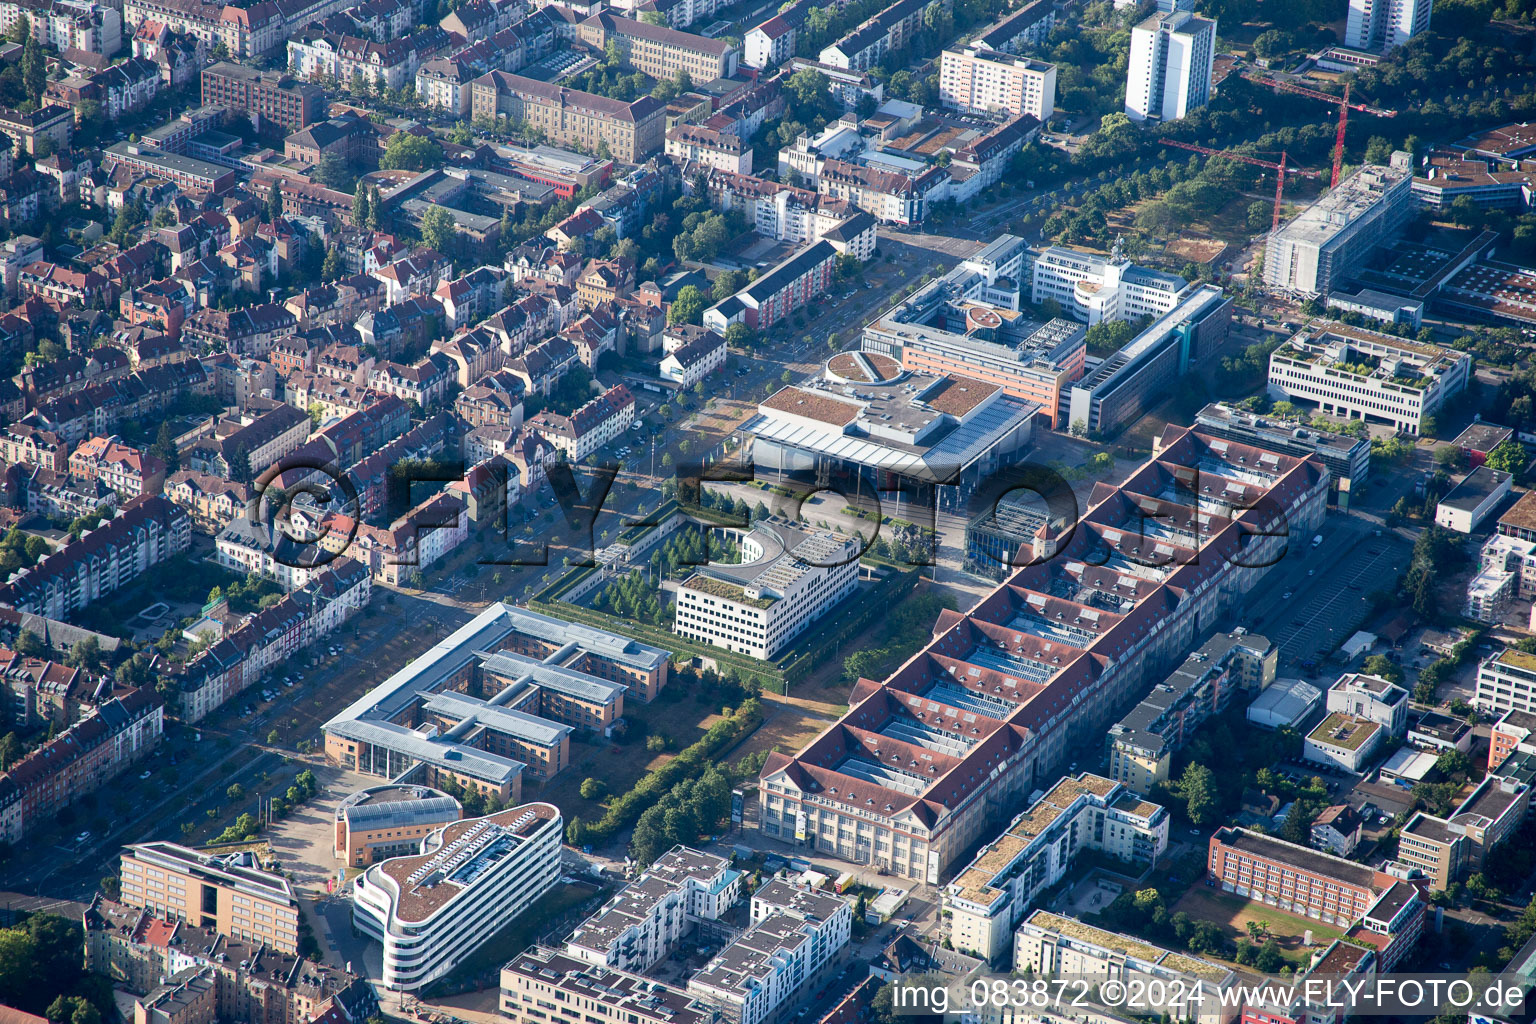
[1345, 106]
[1280, 169]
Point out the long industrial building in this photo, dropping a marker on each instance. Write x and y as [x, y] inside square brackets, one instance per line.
[926, 763]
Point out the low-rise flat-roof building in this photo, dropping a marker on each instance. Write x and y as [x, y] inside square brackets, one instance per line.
[1344, 741]
[549, 985]
[1434, 731]
[1354, 373]
[1474, 499]
[390, 821]
[542, 671]
[1381, 306]
[433, 909]
[1142, 744]
[1286, 702]
[228, 894]
[986, 899]
[1371, 698]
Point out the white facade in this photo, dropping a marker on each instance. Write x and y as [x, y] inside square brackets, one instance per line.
[1358, 374]
[982, 81]
[432, 910]
[1507, 682]
[644, 922]
[1506, 571]
[1036, 851]
[794, 932]
[1092, 288]
[1371, 698]
[1316, 251]
[1473, 500]
[1172, 56]
[1381, 25]
[787, 580]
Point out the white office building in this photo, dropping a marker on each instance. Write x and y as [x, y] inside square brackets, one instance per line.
[1371, 698]
[786, 580]
[1314, 253]
[1353, 373]
[982, 81]
[1382, 25]
[793, 934]
[1172, 56]
[989, 897]
[434, 909]
[644, 922]
[1507, 682]
[1091, 287]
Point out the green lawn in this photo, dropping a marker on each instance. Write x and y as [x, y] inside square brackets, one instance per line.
[1234, 912]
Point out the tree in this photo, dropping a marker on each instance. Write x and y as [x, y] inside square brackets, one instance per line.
[332, 172]
[30, 645]
[85, 654]
[407, 152]
[235, 791]
[360, 205]
[593, 789]
[1508, 456]
[34, 69]
[438, 230]
[1269, 959]
[21, 31]
[164, 447]
[1197, 787]
[332, 267]
[687, 307]
[1383, 667]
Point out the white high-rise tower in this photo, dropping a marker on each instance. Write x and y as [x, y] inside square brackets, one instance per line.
[1172, 55]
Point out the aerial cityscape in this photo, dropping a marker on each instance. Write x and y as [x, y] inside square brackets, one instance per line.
[767, 511]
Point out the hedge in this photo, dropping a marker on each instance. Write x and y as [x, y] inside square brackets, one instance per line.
[690, 763]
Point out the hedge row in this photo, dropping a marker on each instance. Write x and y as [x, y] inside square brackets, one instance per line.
[692, 762]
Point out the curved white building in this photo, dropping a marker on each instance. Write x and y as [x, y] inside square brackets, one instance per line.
[434, 909]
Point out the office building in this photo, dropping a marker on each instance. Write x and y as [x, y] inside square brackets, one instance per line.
[1474, 498]
[567, 117]
[1092, 287]
[1316, 252]
[543, 676]
[793, 934]
[1353, 373]
[646, 920]
[545, 984]
[923, 765]
[1142, 744]
[380, 822]
[1346, 456]
[981, 81]
[1172, 56]
[264, 95]
[1506, 681]
[1181, 986]
[1141, 374]
[968, 323]
[658, 51]
[1382, 25]
[787, 579]
[1512, 734]
[1372, 907]
[226, 893]
[1371, 698]
[1343, 741]
[985, 900]
[434, 909]
[1430, 845]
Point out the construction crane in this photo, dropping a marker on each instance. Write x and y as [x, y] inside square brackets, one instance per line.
[1280, 169]
[1345, 106]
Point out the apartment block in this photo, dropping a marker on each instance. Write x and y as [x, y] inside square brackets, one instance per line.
[1374, 908]
[794, 933]
[433, 909]
[1353, 373]
[780, 291]
[1005, 695]
[82, 759]
[227, 894]
[1164, 982]
[264, 95]
[125, 469]
[1172, 57]
[1382, 25]
[548, 985]
[986, 900]
[1142, 744]
[659, 51]
[142, 533]
[981, 81]
[787, 579]
[1314, 253]
[646, 920]
[567, 117]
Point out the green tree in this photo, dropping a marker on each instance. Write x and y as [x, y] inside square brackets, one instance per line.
[360, 205]
[1508, 456]
[687, 307]
[1197, 787]
[34, 69]
[593, 789]
[1384, 667]
[332, 267]
[407, 152]
[438, 230]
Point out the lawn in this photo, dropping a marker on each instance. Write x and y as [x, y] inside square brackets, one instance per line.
[1234, 912]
